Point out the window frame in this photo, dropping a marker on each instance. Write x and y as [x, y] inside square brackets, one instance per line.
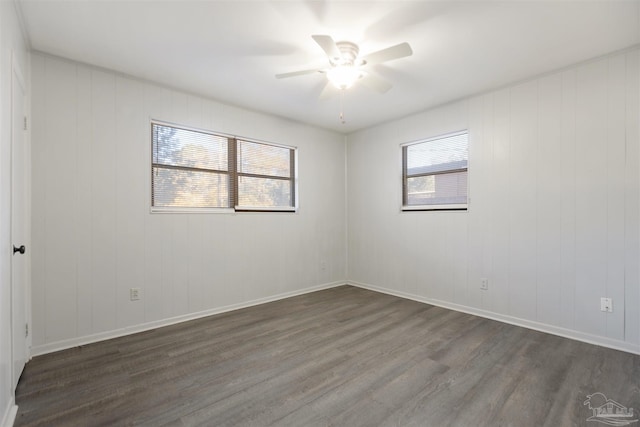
[404, 207]
[232, 173]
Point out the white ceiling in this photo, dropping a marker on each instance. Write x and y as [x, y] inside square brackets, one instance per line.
[231, 50]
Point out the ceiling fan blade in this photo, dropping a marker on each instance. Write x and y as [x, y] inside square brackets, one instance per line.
[394, 52]
[298, 73]
[329, 46]
[327, 91]
[376, 83]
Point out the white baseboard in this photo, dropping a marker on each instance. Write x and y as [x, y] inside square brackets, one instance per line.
[10, 413]
[537, 326]
[542, 327]
[88, 339]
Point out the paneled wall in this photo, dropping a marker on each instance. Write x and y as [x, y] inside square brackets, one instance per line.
[553, 223]
[554, 214]
[94, 237]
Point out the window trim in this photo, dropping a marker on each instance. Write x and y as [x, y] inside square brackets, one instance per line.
[441, 207]
[231, 172]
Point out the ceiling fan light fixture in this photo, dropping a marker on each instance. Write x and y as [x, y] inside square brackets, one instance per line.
[344, 76]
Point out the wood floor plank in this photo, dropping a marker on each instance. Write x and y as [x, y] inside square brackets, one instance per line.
[339, 357]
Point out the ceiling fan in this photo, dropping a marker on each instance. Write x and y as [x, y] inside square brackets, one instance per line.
[346, 67]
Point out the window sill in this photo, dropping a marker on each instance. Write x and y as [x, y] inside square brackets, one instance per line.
[261, 209]
[175, 210]
[418, 208]
[239, 209]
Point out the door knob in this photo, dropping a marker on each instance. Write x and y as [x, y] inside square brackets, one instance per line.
[21, 249]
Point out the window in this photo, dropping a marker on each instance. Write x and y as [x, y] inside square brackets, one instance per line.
[265, 175]
[190, 169]
[196, 170]
[435, 173]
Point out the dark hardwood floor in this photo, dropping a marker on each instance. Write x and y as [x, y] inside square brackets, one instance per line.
[338, 357]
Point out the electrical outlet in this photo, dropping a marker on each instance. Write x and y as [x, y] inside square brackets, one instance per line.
[323, 265]
[484, 284]
[606, 304]
[134, 294]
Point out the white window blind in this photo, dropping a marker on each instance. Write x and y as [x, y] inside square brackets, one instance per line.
[193, 169]
[190, 168]
[265, 176]
[435, 173]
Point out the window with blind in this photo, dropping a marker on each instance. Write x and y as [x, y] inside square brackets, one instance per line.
[435, 173]
[195, 170]
[265, 175]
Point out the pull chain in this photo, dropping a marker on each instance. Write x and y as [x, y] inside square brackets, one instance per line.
[342, 91]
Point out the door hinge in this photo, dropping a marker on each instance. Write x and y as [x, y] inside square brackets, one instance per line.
[25, 122]
[26, 330]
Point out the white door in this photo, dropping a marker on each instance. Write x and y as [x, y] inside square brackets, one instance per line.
[19, 223]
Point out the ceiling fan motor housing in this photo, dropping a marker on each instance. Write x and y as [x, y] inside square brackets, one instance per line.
[349, 53]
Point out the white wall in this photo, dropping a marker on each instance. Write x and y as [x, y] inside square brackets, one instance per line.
[554, 220]
[554, 215]
[93, 235]
[12, 47]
